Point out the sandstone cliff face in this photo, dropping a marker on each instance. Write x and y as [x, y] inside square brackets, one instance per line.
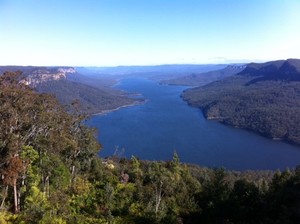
[43, 75]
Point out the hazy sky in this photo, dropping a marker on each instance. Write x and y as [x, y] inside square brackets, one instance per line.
[143, 32]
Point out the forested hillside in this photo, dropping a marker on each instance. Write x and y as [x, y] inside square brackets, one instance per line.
[203, 78]
[264, 98]
[90, 99]
[50, 173]
[92, 95]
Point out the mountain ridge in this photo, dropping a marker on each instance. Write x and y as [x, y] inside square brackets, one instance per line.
[202, 78]
[281, 70]
[93, 95]
[264, 98]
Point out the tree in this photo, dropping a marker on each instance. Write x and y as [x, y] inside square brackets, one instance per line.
[214, 195]
[245, 202]
[34, 127]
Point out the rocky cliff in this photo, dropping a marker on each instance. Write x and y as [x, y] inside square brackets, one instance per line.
[42, 75]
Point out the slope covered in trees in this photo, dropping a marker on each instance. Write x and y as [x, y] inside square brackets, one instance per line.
[43, 148]
[93, 95]
[50, 173]
[203, 78]
[264, 98]
[91, 99]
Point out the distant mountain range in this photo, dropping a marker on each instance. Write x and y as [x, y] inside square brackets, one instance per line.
[264, 97]
[203, 78]
[155, 72]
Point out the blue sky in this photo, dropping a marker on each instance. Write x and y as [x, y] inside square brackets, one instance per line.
[147, 32]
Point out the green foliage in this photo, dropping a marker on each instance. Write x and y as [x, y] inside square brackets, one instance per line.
[60, 174]
[7, 218]
[40, 144]
[263, 100]
[50, 173]
[90, 99]
[245, 202]
[28, 154]
[35, 204]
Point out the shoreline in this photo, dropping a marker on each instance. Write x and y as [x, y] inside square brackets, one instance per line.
[104, 112]
[221, 121]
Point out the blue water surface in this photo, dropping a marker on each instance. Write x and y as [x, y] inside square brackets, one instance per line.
[165, 123]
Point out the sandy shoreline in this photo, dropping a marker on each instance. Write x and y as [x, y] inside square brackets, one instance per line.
[104, 112]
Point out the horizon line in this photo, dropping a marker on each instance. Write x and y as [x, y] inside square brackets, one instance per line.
[230, 62]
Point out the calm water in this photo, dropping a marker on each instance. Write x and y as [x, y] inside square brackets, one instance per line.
[165, 123]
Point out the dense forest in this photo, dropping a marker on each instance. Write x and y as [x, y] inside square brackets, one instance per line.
[264, 98]
[93, 94]
[91, 100]
[51, 173]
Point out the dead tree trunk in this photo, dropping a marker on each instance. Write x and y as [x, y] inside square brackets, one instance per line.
[4, 197]
[16, 201]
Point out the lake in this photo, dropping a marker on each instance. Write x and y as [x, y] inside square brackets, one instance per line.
[165, 123]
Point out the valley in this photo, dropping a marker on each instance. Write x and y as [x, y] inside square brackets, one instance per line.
[150, 112]
[159, 142]
[256, 97]
[165, 123]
